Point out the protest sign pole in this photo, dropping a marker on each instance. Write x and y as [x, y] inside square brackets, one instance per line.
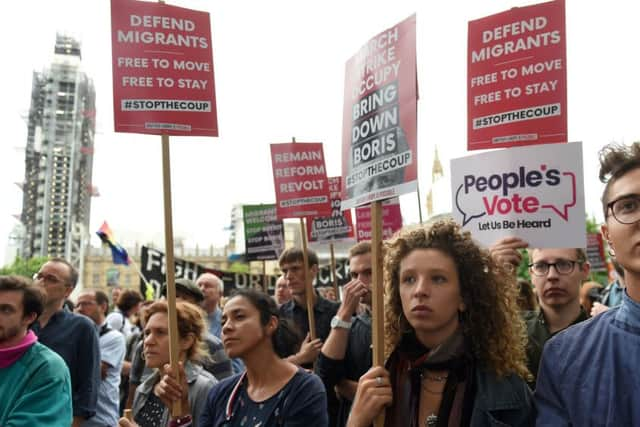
[307, 283]
[144, 280]
[419, 204]
[377, 294]
[265, 282]
[334, 277]
[176, 410]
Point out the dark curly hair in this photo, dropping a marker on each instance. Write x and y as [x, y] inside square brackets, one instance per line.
[491, 322]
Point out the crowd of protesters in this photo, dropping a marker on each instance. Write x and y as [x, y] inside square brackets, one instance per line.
[466, 342]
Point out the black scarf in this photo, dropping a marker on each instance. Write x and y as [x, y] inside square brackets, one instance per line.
[406, 366]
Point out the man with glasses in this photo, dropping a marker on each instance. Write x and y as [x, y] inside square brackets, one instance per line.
[556, 275]
[589, 373]
[94, 304]
[72, 336]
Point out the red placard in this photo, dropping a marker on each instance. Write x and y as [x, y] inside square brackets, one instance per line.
[391, 220]
[595, 252]
[338, 226]
[379, 134]
[162, 70]
[517, 78]
[300, 180]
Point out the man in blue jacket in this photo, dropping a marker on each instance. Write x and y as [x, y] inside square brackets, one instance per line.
[589, 373]
[72, 336]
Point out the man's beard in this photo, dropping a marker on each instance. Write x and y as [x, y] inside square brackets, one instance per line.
[8, 334]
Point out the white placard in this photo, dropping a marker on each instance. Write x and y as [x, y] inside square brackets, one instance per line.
[535, 193]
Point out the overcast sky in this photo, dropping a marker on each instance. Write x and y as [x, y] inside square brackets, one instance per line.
[279, 72]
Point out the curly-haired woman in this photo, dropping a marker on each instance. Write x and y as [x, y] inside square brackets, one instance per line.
[455, 341]
[148, 408]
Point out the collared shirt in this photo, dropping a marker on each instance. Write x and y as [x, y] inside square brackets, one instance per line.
[537, 335]
[75, 339]
[323, 311]
[612, 294]
[357, 361]
[215, 322]
[112, 349]
[589, 373]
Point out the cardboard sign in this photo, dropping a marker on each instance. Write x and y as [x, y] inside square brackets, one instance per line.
[535, 193]
[379, 136]
[517, 78]
[300, 179]
[263, 232]
[338, 226]
[391, 220]
[595, 252]
[162, 70]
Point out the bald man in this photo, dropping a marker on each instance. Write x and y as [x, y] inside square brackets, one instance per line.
[283, 293]
[212, 289]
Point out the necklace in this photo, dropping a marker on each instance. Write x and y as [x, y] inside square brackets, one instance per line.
[431, 421]
[438, 378]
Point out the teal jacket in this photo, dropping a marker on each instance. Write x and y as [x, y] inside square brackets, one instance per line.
[36, 390]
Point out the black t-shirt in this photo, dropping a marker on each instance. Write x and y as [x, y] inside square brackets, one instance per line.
[301, 402]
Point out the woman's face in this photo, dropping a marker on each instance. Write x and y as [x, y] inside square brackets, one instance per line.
[156, 340]
[430, 294]
[241, 327]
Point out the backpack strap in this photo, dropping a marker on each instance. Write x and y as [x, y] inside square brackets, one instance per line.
[104, 329]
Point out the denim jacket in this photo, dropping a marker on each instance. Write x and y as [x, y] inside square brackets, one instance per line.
[503, 401]
[200, 382]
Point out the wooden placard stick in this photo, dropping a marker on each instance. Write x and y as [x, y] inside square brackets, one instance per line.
[174, 354]
[419, 203]
[377, 293]
[144, 280]
[265, 280]
[334, 277]
[307, 283]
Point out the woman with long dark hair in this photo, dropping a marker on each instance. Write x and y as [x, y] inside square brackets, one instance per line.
[271, 391]
[455, 341]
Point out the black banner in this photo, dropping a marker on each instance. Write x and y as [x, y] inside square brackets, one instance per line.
[153, 268]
